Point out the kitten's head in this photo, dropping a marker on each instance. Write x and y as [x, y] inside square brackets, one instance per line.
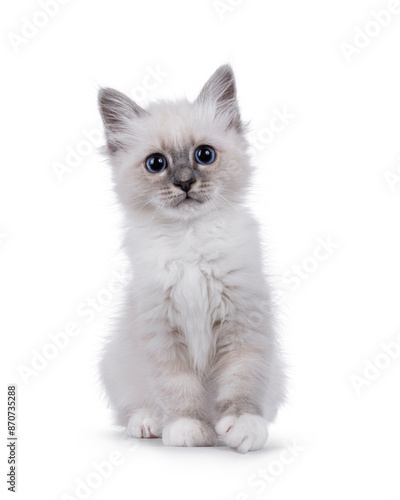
[178, 158]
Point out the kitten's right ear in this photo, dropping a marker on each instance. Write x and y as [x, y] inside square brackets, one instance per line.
[117, 112]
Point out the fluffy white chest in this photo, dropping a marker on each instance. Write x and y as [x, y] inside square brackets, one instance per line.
[191, 276]
[193, 285]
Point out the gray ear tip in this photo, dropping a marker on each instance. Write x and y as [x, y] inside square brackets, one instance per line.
[102, 96]
[226, 68]
[226, 71]
[116, 107]
[105, 93]
[226, 78]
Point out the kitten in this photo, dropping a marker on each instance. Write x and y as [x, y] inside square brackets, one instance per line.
[194, 356]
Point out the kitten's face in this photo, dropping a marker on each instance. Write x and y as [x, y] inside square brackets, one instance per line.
[180, 159]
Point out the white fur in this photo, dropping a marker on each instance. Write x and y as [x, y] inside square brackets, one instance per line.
[144, 423]
[244, 433]
[188, 432]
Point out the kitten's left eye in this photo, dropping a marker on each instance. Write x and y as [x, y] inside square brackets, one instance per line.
[156, 163]
[204, 155]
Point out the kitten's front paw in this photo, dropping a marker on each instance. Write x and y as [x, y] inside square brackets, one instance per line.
[144, 424]
[244, 433]
[188, 432]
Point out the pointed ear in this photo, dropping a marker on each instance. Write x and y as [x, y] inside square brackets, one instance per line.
[117, 112]
[221, 90]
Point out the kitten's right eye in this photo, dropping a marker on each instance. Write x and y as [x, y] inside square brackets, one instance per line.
[156, 163]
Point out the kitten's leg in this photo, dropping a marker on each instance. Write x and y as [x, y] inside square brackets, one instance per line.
[183, 398]
[240, 374]
[125, 378]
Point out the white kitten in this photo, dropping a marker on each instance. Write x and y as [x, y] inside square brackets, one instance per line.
[194, 355]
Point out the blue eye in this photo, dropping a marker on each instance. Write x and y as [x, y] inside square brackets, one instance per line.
[204, 155]
[156, 163]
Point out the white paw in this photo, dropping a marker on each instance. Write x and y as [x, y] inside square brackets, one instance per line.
[244, 433]
[144, 424]
[188, 432]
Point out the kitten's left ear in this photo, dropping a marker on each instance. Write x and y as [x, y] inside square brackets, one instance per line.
[118, 112]
[221, 90]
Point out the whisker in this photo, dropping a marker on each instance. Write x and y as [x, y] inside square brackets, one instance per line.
[208, 198]
[223, 199]
[147, 202]
[155, 213]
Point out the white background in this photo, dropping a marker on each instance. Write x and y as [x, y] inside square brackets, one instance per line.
[329, 173]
